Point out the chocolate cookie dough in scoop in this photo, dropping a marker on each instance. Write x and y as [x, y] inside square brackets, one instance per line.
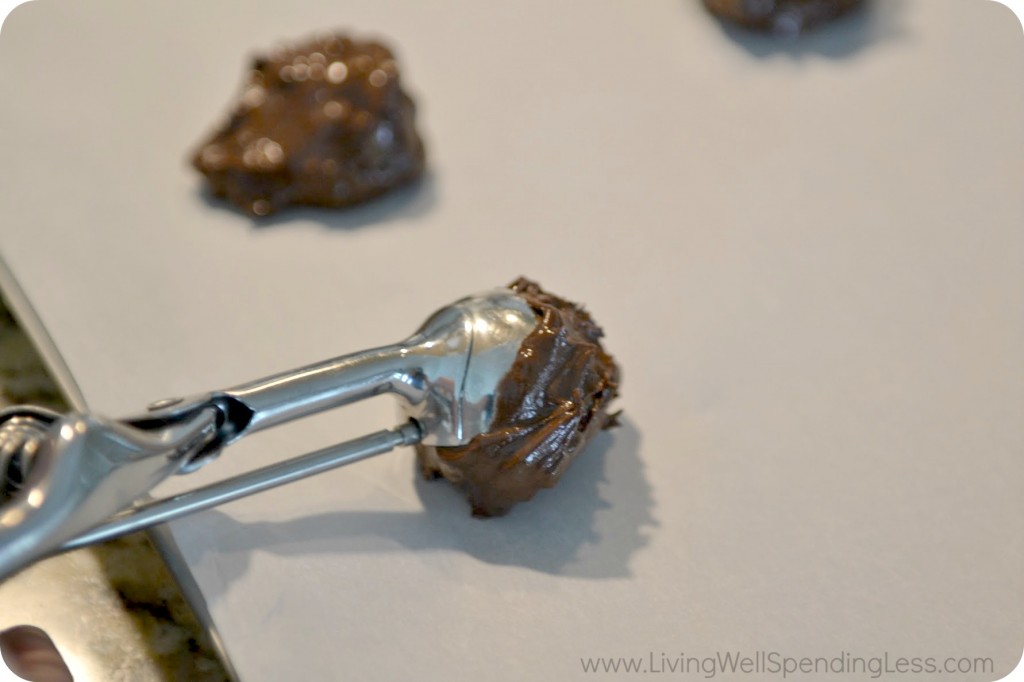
[551, 403]
[324, 123]
[782, 17]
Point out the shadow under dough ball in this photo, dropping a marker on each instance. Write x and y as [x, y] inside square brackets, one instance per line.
[324, 123]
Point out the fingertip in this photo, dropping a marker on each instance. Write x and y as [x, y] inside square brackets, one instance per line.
[30, 653]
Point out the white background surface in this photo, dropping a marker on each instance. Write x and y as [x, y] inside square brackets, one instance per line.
[807, 259]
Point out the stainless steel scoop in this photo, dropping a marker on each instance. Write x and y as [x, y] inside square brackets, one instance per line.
[72, 480]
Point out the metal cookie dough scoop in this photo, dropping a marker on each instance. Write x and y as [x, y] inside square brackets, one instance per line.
[72, 480]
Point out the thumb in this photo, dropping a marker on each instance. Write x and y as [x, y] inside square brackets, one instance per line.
[31, 654]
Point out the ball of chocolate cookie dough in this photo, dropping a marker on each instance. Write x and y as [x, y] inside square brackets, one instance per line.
[782, 17]
[550, 404]
[323, 123]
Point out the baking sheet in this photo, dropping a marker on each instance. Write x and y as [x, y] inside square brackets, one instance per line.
[806, 257]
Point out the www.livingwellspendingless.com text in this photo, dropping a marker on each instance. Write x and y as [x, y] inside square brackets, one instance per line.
[783, 665]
